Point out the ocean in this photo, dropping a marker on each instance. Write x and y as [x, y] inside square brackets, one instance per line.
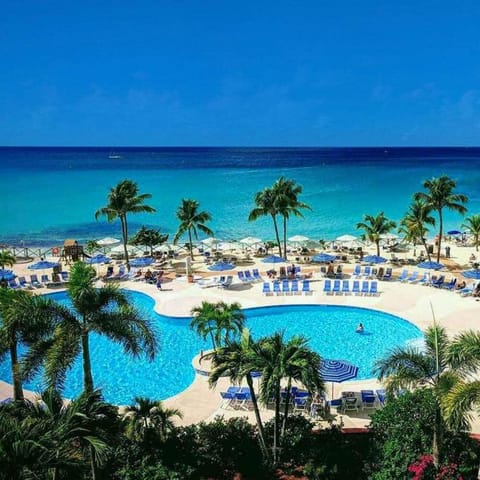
[50, 194]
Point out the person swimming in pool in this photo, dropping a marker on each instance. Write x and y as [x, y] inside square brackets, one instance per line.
[359, 328]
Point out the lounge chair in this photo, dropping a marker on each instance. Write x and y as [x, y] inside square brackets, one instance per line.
[276, 288]
[336, 287]
[227, 282]
[323, 271]
[306, 287]
[373, 288]
[266, 288]
[345, 286]
[242, 278]
[356, 287]
[294, 287]
[300, 404]
[327, 287]
[349, 404]
[403, 277]
[285, 287]
[227, 399]
[413, 277]
[468, 290]
[388, 274]
[357, 271]
[64, 277]
[34, 282]
[23, 282]
[249, 277]
[13, 284]
[367, 272]
[369, 399]
[282, 273]
[381, 273]
[256, 275]
[451, 284]
[365, 288]
[439, 283]
[121, 275]
[208, 282]
[382, 396]
[425, 279]
[339, 272]
[374, 273]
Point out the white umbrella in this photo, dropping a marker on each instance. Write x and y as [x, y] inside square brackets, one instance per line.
[107, 241]
[388, 236]
[345, 238]
[211, 241]
[298, 239]
[227, 245]
[353, 244]
[250, 240]
[119, 249]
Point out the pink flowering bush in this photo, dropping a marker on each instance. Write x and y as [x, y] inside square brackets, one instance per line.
[424, 469]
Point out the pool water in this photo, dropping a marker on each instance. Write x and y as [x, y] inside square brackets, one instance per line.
[330, 330]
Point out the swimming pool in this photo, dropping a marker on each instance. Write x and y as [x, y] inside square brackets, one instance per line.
[330, 329]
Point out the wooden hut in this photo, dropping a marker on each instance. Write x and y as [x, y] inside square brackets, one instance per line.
[72, 251]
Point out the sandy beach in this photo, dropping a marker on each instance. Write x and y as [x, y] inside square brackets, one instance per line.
[412, 302]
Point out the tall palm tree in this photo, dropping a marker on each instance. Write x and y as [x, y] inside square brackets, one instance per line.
[414, 223]
[24, 319]
[219, 321]
[278, 359]
[443, 366]
[191, 220]
[266, 205]
[375, 227]
[286, 192]
[123, 199]
[105, 311]
[149, 237]
[440, 194]
[237, 361]
[6, 258]
[149, 416]
[472, 225]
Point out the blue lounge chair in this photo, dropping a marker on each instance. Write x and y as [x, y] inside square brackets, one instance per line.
[266, 288]
[248, 276]
[357, 271]
[336, 287]
[339, 272]
[439, 283]
[327, 287]
[227, 282]
[388, 274]
[276, 288]
[34, 282]
[306, 287]
[365, 288]
[403, 277]
[23, 283]
[13, 284]
[451, 284]
[256, 275]
[345, 286]
[413, 277]
[242, 278]
[367, 272]
[285, 287]
[374, 273]
[373, 288]
[468, 290]
[227, 399]
[382, 396]
[369, 399]
[294, 287]
[425, 279]
[356, 287]
[323, 271]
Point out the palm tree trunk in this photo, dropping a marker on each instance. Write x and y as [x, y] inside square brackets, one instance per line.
[190, 244]
[425, 246]
[437, 438]
[17, 381]
[93, 465]
[87, 367]
[123, 222]
[377, 243]
[287, 406]
[276, 427]
[277, 236]
[440, 233]
[261, 431]
[285, 236]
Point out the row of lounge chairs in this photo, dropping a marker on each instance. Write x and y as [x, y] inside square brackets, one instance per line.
[427, 279]
[222, 282]
[341, 287]
[286, 287]
[247, 277]
[34, 283]
[372, 273]
[353, 401]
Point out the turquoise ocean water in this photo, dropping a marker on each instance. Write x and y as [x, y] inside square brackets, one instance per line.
[49, 194]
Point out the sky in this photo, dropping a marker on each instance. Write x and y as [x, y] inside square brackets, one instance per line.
[249, 73]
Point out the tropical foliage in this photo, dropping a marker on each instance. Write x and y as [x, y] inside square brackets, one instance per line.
[191, 221]
[374, 227]
[149, 237]
[472, 225]
[440, 194]
[122, 200]
[6, 258]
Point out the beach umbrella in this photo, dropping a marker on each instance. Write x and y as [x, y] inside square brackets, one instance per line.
[250, 241]
[273, 259]
[313, 244]
[430, 265]
[454, 232]
[227, 246]
[100, 258]
[221, 266]
[474, 274]
[298, 239]
[323, 258]
[108, 241]
[211, 241]
[6, 274]
[337, 371]
[345, 238]
[353, 244]
[43, 265]
[141, 262]
[388, 236]
[374, 259]
[119, 249]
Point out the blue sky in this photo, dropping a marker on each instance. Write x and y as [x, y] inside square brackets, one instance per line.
[287, 73]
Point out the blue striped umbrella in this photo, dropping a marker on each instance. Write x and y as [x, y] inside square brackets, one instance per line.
[221, 266]
[454, 232]
[141, 262]
[430, 265]
[100, 258]
[474, 274]
[273, 259]
[323, 258]
[374, 259]
[43, 265]
[337, 371]
[6, 274]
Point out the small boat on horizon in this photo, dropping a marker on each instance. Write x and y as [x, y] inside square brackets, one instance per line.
[114, 155]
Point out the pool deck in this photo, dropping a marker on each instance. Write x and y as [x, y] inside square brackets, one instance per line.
[412, 302]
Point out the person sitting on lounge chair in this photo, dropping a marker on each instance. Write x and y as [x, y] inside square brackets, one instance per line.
[149, 276]
[138, 273]
[461, 285]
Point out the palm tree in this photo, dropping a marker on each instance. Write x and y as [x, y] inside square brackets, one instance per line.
[413, 224]
[440, 194]
[191, 220]
[149, 237]
[444, 366]
[472, 225]
[237, 361]
[147, 416]
[24, 319]
[265, 202]
[286, 192]
[218, 320]
[6, 258]
[105, 311]
[277, 360]
[123, 199]
[375, 227]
